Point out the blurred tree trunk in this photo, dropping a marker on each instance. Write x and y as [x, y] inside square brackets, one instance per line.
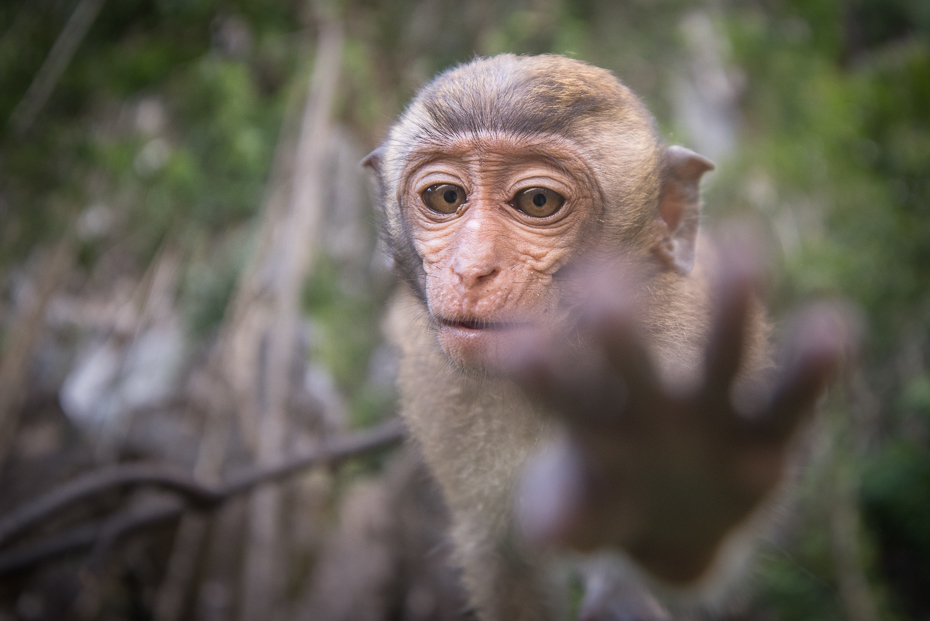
[23, 334]
[265, 316]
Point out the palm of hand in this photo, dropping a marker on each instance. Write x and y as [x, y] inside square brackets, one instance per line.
[666, 472]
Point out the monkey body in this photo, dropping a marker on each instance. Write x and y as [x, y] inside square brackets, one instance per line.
[474, 427]
[554, 407]
[481, 427]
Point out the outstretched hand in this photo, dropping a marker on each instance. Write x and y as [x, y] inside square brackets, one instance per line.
[662, 471]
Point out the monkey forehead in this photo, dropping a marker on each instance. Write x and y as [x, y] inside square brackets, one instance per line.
[495, 149]
[534, 97]
[525, 95]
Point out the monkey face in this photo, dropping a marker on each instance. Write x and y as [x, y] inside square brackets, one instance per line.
[503, 171]
[493, 219]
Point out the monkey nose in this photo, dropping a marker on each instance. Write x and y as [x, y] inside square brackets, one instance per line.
[477, 255]
[472, 275]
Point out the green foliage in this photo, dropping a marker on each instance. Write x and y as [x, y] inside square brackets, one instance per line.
[896, 494]
[852, 141]
[791, 587]
[896, 506]
[837, 130]
[205, 168]
[345, 334]
[834, 150]
[209, 285]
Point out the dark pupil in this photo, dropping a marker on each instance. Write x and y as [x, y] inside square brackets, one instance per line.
[539, 199]
[450, 196]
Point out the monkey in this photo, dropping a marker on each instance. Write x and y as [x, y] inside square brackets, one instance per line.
[590, 380]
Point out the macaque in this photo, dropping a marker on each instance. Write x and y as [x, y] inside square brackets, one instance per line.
[588, 378]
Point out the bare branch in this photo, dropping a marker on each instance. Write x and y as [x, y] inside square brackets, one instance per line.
[99, 481]
[100, 534]
[180, 482]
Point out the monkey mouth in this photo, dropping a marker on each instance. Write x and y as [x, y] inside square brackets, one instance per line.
[472, 342]
[474, 324]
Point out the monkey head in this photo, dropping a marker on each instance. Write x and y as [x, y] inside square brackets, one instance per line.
[505, 170]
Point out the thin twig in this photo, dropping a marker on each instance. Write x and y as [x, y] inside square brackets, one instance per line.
[150, 511]
[55, 64]
[273, 327]
[99, 481]
[178, 481]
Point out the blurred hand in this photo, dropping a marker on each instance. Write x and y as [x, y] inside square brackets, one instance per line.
[665, 472]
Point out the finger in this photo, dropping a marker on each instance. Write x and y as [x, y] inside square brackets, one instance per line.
[531, 363]
[579, 393]
[549, 497]
[543, 365]
[737, 280]
[823, 336]
[562, 501]
[611, 319]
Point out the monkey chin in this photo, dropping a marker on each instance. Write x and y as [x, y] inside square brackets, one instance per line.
[478, 345]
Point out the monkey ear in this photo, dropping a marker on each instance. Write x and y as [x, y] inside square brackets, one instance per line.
[679, 207]
[373, 160]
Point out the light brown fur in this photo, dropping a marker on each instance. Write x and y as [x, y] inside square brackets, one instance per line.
[477, 429]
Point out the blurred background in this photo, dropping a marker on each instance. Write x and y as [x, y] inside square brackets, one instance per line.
[190, 275]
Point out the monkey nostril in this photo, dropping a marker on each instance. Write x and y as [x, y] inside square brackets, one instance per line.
[474, 276]
[489, 275]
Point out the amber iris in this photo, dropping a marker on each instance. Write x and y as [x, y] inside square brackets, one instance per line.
[444, 197]
[538, 202]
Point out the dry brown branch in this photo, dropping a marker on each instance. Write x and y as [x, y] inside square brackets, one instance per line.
[96, 482]
[182, 566]
[251, 362]
[194, 492]
[85, 536]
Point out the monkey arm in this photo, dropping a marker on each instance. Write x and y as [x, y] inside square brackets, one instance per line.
[666, 472]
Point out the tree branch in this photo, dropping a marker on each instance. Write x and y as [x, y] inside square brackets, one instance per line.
[173, 479]
[99, 535]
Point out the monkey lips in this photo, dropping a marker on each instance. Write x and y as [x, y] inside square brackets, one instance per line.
[479, 343]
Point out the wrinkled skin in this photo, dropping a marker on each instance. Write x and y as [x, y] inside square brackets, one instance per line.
[489, 267]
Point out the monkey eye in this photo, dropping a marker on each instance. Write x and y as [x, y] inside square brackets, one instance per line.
[538, 202]
[444, 197]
